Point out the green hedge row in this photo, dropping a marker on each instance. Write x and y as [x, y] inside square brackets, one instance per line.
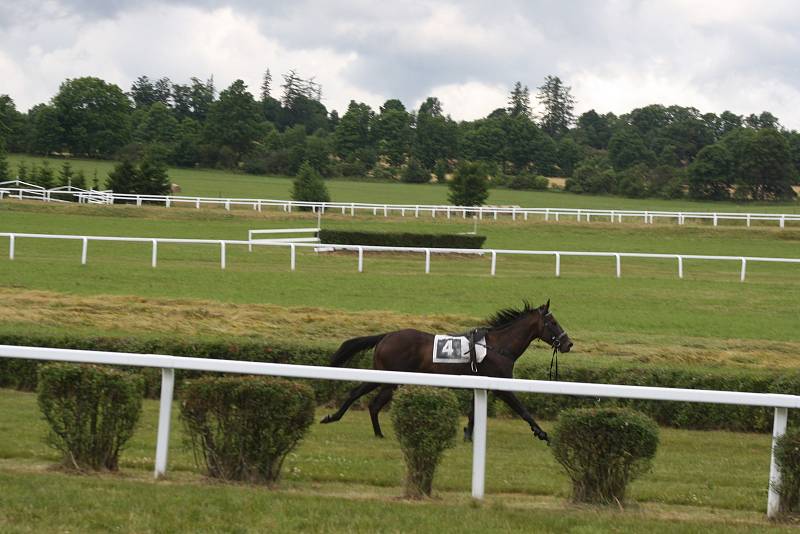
[401, 239]
[678, 414]
[21, 374]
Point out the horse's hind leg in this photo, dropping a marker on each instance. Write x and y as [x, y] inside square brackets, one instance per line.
[514, 403]
[376, 405]
[359, 391]
[470, 422]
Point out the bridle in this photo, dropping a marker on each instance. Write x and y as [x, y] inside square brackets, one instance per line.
[555, 342]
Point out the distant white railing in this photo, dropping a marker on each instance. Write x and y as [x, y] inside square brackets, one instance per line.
[433, 210]
[480, 385]
[277, 235]
[361, 249]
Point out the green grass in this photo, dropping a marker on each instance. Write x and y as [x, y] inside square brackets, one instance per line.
[341, 478]
[215, 183]
[647, 314]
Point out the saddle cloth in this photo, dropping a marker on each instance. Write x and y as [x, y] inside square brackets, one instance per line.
[455, 349]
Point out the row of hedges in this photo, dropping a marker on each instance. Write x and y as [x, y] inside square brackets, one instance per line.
[678, 414]
[401, 239]
[21, 374]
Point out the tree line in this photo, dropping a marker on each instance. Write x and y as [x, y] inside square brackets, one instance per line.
[653, 151]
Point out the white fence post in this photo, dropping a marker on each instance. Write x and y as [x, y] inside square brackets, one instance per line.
[778, 430]
[715, 219]
[619, 266]
[164, 415]
[744, 269]
[479, 444]
[361, 259]
[222, 254]
[11, 247]
[84, 250]
[154, 259]
[680, 267]
[558, 264]
[427, 260]
[782, 221]
[292, 256]
[167, 202]
[494, 262]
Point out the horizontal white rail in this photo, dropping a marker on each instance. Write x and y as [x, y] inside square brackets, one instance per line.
[442, 210]
[361, 249]
[478, 383]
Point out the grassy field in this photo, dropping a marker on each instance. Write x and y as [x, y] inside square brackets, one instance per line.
[648, 315]
[215, 183]
[341, 478]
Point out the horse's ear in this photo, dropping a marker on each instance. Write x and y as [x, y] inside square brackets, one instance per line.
[547, 306]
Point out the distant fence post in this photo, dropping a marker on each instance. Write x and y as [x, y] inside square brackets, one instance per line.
[222, 254]
[84, 250]
[558, 264]
[154, 259]
[292, 256]
[619, 266]
[164, 416]
[427, 260]
[744, 269]
[361, 259]
[11, 247]
[494, 262]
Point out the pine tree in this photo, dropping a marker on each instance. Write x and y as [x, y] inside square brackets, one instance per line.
[309, 186]
[519, 102]
[266, 86]
[22, 172]
[5, 174]
[469, 186]
[123, 178]
[65, 175]
[558, 105]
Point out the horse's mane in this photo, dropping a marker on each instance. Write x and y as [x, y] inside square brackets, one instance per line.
[507, 316]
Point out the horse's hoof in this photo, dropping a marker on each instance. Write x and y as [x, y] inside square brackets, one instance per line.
[325, 420]
[541, 434]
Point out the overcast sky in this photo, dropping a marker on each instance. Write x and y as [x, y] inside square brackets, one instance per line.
[715, 55]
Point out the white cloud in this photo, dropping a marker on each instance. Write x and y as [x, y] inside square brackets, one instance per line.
[616, 55]
[469, 101]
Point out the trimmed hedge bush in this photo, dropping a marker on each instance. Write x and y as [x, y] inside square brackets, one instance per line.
[243, 427]
[603, 450]
[92, 412]
[401, 239]
[425, 421]
[787, 458]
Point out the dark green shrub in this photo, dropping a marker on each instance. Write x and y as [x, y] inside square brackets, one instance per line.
[309, 186]
[400, 239]
[529, 182]
[787, 458]
[243, 427]
[415, 173]
[91, 410]
[603, 449]
[470, 185]
[425, 421]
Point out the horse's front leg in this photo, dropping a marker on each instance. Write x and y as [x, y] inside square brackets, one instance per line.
[514, 403]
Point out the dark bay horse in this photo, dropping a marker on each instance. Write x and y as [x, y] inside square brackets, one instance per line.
[510, 332]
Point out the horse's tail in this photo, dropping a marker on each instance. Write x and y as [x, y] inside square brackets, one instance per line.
[352, 347]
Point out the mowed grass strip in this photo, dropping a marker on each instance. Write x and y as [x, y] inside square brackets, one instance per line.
[43, 313]
[226, 184]
[342, 467]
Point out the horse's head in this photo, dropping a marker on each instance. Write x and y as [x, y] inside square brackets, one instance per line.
[551, 331]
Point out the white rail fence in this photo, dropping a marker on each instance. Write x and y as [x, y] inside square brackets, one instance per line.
[403, 210]
[480, 385]
[278, 235]
[223, 245]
